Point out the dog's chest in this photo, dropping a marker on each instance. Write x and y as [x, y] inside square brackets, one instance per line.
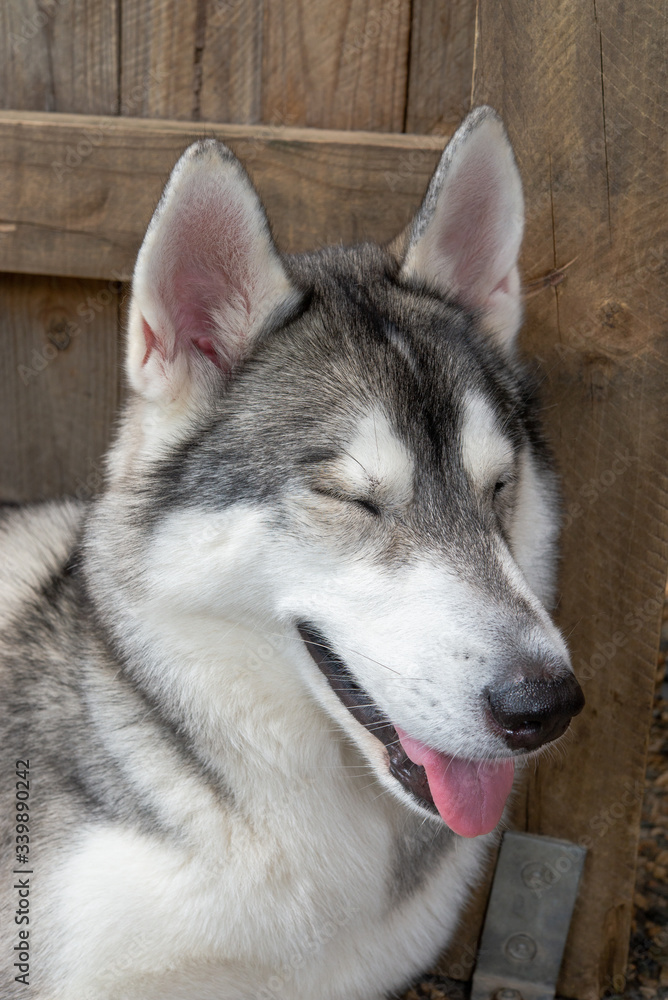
[293, 902]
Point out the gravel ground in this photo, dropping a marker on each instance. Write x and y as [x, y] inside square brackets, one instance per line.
[647, 975]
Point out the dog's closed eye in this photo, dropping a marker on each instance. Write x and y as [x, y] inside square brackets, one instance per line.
[363, 502]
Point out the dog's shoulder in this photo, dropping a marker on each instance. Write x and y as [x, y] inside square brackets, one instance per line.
[36, 542]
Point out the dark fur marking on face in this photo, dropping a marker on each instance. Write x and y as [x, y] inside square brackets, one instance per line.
[300, 395]
[318, 457]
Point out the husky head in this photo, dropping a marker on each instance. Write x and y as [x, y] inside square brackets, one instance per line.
[355, 430]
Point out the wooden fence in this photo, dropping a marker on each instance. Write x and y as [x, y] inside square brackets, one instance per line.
[339, 109]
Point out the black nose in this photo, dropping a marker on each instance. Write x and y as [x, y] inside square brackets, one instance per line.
[535, 710]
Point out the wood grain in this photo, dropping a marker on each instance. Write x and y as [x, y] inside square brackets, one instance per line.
[230, 88]
[582, 90]
[59, 56]
[59, 338]
[340, 65]
[158, 72]
[77, 193]
[441, 66]
[58, 384]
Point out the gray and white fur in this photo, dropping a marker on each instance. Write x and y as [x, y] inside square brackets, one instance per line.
[341, 445]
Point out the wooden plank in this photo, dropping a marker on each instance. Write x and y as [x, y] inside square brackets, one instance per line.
[77, 192]
[230, 89]
[583, 91]
[59, 56]
[159, 59]
[58, 384]
[59, 339]
[441, 66]
[336, 63]
[188, 61]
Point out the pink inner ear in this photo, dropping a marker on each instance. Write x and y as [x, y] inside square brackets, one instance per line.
[503, 286]
[195, 298]
[152, 342]
[203, 277]
[471, 239]
[205, 346]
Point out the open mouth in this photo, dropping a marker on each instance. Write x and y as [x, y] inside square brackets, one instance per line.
[469, 795]
[361, 706]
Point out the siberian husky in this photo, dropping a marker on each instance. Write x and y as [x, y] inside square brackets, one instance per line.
[263, 699]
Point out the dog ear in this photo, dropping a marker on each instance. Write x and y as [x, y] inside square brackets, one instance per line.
[207, 278]
[465, 239]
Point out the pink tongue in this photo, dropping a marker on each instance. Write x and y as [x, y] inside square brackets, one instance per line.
[469, 794]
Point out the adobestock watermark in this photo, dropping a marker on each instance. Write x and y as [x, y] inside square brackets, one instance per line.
[635, 621]
[590, 153]
[414, 160]
[584, 335]
[591, 491]
[32, 24]
[220, 9]
[307, 948]
[248, 148]
[377, 22]
[464, 964]
[543, 877]
[74, 156]
[93, 482]
[62, 334]
[261, 656]
[119, 973]
[93, 136]
[608, 816]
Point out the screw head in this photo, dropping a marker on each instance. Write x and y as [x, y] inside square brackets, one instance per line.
[537, 876]
[521, 947]
[507, 994]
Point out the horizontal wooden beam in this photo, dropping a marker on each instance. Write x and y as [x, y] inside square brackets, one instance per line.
[77, 191]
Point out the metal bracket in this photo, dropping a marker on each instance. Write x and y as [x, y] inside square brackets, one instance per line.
[529, 913]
